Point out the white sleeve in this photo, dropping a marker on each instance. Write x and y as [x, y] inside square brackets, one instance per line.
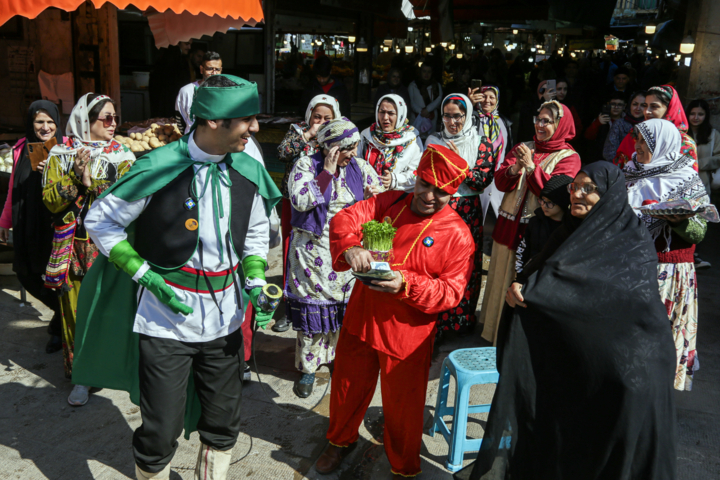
[108, 217]
[416, 101]
[404, 173]
[183, 104]
[436, 102]
[257, 240]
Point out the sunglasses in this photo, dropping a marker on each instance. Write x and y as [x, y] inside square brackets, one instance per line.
[108, 120]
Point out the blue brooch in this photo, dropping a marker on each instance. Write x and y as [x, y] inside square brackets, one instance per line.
[428, 241]
[189, 204]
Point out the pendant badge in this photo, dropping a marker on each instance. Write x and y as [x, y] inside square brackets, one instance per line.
[191, 224]
[428, 241]
[189, 204]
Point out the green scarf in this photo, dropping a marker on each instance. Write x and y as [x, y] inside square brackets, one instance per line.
[106, 351]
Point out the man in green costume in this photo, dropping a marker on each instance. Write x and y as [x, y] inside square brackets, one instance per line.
[186, 234]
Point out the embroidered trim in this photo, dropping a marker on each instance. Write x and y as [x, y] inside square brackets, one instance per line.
[403, 475]
[413, 246]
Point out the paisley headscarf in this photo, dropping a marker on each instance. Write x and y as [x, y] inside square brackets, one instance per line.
[339, 133]
[668, 176]
[489, 122]
[105, 156]
[384, 148]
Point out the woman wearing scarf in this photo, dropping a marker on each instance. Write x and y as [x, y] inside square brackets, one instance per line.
[588, 334]
[301, 140]
[522, 177]
[661, 102]
[25, 213]
[77, 172]
[658, 173]
[496, 128]
[460, 134]
[320, 185]
[390, 145]
[620, 128]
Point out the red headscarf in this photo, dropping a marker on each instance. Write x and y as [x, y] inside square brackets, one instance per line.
[564, 132]
[443, 168]
[675, 112]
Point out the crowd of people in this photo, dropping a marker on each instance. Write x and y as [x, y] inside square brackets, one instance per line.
[582, 279]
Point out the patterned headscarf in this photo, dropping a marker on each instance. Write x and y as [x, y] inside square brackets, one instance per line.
[668, 176]
[675, 112]
[384, 147]
[338, 133]
[489, 121]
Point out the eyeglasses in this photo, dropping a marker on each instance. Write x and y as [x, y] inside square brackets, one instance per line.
[542, 122]
[545, 204]
[108, 120]
[584, 189]
[447, 118]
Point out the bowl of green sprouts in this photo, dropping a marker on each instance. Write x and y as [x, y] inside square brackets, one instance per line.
[378, 239]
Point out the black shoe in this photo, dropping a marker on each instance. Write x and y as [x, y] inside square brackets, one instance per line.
[304, 385]
[281, 325]
[247, 374]
[54, 344]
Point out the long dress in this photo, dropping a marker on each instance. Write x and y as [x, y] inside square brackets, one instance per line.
[586, 368]
[69, 200]
[317, 294]
[461, 319]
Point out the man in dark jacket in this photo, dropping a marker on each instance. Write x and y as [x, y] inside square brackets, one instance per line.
[325, 83]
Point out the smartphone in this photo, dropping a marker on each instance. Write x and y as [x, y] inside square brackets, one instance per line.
[606, 110]
[475, 83]
[551, 88]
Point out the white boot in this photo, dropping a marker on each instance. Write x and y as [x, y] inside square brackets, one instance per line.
[212, 464]
[163, 474]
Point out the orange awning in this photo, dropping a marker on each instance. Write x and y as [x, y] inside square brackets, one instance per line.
[248, 10]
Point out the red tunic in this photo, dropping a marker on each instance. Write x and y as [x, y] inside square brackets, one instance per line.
[435, 276]
[509, 232]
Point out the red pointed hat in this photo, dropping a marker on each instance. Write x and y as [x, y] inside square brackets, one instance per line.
[443, 168]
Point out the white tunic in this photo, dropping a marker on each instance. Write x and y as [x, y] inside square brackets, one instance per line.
[106, 222]
[183, 103]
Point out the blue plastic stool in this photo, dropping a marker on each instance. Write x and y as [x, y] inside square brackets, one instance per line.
[469, 366]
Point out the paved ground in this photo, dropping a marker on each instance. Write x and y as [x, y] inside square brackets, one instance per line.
[42, 437]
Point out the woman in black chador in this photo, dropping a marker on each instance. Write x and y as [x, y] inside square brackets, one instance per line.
[586, 358]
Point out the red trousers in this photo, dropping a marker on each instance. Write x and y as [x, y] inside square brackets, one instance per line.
[404, 386]
[247, 331]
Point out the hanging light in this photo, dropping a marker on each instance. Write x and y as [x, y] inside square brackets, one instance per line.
[397, 50]
[428, 49]
[362, 46]
[560, 50]
[533, 49]
[459, 55]
[650, 29]
[427, 34]
[420, 64]
[351, 39]
[515, 31]
[678, 57]
[573, 55]
[452, 46]
[444, 44]
[687, 46]
[388, 40]
[408, 48]
[386, 49]
[541, 52]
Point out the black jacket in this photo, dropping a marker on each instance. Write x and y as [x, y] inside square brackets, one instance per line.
[338, 91]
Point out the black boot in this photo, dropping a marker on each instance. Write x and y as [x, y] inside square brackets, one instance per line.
[54, 344]
[304, 385]
[54, 330]
[281, 325]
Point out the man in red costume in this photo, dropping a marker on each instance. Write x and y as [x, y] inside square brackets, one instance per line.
[390, 326]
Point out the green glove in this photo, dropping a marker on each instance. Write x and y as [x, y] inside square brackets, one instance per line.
[124, 256]
[254, 267]
[261, 318]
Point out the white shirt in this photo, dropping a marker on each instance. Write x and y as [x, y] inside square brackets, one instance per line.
[183, 103]
[106, 222]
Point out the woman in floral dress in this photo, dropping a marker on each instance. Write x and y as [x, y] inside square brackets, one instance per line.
[460, 134]
[76, 173]
[319, 186]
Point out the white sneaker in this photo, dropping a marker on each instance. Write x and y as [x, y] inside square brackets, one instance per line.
[212, 464]
[163, 474]
[79, 396]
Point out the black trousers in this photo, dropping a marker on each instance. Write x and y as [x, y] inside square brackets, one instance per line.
[165, 366]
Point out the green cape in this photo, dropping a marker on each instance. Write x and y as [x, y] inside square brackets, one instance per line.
[106, 353]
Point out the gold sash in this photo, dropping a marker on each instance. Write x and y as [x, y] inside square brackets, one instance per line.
[511, 201]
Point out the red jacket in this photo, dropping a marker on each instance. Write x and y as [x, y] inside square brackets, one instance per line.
[435, 276]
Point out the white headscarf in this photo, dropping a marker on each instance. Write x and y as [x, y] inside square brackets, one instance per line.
[669, 175]
[467, 140]
[324, 99]
[406, 133]
[103, 154]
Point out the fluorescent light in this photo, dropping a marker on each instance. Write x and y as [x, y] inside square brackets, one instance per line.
[515, 31]
[351, 39]
[459, 55]
[687, 46]
[444, 44]
[408, 48]
[649, 29]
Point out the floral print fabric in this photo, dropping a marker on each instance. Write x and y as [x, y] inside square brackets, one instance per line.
[312, 351]
[678, 291]
[291, 149]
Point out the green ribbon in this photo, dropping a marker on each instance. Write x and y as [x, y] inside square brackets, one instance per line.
[215, 177]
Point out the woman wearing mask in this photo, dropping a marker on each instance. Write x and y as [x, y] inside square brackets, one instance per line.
[659, 173]
[30, 220]
[620, 128]
[460, 134]
[300, 140]
[391, 145]
[707, 140]
[77, 172]
[660, 102]
[522, 177]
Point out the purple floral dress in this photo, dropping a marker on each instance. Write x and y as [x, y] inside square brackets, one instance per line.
[316, 293]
